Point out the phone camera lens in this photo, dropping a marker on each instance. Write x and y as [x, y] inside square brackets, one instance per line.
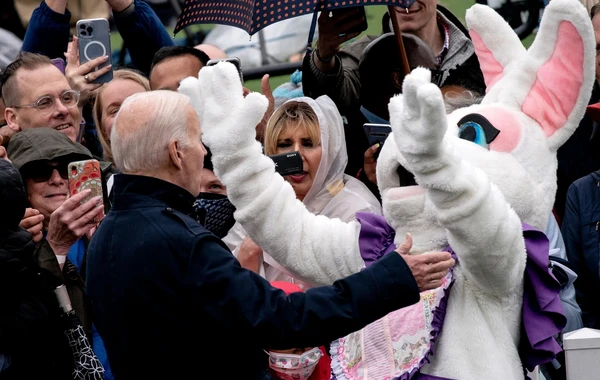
[82, 26]
[90, 30]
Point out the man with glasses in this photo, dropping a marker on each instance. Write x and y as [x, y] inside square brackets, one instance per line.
[42, 156]
[37, 94]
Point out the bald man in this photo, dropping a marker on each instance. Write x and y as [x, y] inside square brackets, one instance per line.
[212, 51]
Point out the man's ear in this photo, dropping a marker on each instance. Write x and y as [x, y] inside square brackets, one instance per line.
[175, 154]
[11, 119]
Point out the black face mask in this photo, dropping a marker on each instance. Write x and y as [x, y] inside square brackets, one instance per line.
[218, 213]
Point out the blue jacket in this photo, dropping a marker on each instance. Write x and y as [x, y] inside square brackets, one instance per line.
[581, 232]
[171, 301]
[48, 33]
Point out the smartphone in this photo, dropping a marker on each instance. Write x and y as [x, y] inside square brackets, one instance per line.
[235, 60]
[360, 13]
[288, 163]
[60, 64]
[377, 133]
[94, 42]
[85, 175]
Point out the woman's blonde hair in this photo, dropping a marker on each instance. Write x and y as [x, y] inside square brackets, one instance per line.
[291, 114]
[120, 74]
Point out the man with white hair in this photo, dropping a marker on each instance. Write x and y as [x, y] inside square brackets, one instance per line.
[171, 301]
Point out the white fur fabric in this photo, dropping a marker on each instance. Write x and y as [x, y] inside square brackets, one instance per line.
[314, 248]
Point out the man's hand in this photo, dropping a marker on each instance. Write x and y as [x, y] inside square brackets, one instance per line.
[71, 221]
[268, 93]
[250, 255]
[332, 27]
[370, 164]
[33, 222]
[429, 269]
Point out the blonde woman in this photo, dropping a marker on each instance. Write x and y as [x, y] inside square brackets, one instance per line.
[109, 98]
[315, 129]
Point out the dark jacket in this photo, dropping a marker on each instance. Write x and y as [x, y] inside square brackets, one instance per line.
[30, 331]
[48, 33]
[581, 233]
[343, 84]
[171, 301]
[578, 156]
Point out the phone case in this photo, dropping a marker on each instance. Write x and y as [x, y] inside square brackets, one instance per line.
[360, 27]
[288, 163]
[377, 133]
[94, 42]
[85, 175]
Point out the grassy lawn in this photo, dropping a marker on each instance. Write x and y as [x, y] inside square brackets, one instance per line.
[374, 15]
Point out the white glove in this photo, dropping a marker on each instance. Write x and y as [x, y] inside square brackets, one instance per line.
[418, 117]
[228, 120]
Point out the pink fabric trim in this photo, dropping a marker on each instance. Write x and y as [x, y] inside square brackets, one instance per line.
[556, 89]
[510, 130]
[491, 68]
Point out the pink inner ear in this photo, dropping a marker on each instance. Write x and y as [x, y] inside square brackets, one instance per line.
[491, 68]
[556, 89]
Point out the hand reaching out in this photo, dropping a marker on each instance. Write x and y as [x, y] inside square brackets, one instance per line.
[370, 163]
[250, 255]
[33, 222]
[429, 269]
[80, 77]
[268, 93]
[73, 220]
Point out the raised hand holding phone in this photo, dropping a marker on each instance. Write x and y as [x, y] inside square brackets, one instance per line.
[76, 73]
[94, 42]
[335, 28]
[80, 214]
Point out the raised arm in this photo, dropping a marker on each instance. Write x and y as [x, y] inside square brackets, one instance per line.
[49, 29]
[314, 248]
[482, 228]
[301, 319]
[141, 30]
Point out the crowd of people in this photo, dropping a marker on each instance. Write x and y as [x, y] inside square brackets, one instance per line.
[194, 261]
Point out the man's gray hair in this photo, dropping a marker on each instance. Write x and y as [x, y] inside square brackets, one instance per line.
[143, 128]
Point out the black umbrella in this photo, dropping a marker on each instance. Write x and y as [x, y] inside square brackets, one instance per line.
[86, 363]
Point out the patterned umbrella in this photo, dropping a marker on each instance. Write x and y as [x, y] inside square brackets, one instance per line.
[254, 15]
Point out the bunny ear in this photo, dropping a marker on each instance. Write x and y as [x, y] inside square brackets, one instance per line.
[496, 44]
[557, 74]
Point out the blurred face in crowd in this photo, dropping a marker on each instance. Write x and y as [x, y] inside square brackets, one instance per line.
[305, 140]
[33, 85]
[111, 99]
[420, 15]
[596, 24]
[47, 185]
[167, 74]
[211, 184]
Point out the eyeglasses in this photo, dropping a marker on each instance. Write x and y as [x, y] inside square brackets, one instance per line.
[46, 104]
[43, 172]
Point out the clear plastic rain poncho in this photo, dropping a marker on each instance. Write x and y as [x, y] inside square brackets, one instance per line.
[333, 193]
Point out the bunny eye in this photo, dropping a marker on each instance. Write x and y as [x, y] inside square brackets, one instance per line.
[476, 128]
